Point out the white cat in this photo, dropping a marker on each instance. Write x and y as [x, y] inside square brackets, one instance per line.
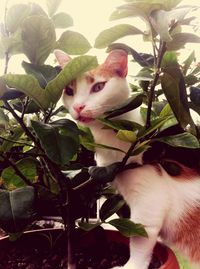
[168, 206]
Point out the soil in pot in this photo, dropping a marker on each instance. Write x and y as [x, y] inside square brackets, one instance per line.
[47, 250]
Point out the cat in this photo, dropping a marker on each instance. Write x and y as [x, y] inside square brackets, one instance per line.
[168, 206]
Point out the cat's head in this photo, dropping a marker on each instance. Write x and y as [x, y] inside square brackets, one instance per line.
[98, 90]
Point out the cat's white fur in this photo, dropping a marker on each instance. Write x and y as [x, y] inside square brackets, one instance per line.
[161, 203]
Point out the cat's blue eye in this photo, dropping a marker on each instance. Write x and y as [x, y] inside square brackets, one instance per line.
[69, 91]
[98, 86]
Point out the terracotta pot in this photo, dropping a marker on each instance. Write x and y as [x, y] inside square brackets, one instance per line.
[162, 252]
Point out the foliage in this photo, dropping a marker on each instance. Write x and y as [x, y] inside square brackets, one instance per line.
[46, 158]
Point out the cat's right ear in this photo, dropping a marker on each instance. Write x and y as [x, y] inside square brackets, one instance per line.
[62, 57]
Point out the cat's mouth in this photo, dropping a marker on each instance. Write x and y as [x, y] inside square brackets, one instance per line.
[85, 119]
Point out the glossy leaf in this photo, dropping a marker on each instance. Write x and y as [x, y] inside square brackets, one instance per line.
[12, 43]
[29, 86]
[180, 39]
[28, 167]
[39, 37]
[174, 89]
[62, 20]
[43, 73]
[117, 124]
[162, 19]
[121, 14]
[11, 139]
[59, 139]
[187, 63]
[104, 174]
[195, 95]
[4, 119]
[174, 96]
[130, 104]
[185, 140]
[16, 209]
[15, 16]
[88, 226]
[128, 228]
[127, 136]
[166, 4]
[72, 70]
[111, 206]
[32, 107]
[110, 35]
[52, 6]
[37, 10]
[86, 138]
[73, 43]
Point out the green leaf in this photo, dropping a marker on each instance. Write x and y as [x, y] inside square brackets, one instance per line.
[30, 86]
[180, 39]
[52, 6]
[88, 226]
[104, 174]
[111, 206]
[15, 16]
[127, 136]
[72, 70]
[12, 43]
[121, 14]
[12, 139]
[155, 125]
[187, 63]
[62, 20]
[39, 37]
[4, 120]
[101, 146]
[195, 96]
[130, 104]
[174, 88]
[185, 140]
[28, 167]
[128, 228]
[60, 140]
[156, 4]
[161, 20]
[86, 137]
[37, 10]
[73, 43]
[17, 209]
[174, 95]
[43, 73]
[120, 124]
[110, 35]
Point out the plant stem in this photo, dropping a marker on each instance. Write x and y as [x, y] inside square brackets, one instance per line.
[17, 171]
[162, 50]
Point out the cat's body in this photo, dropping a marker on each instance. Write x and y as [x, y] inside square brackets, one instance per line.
[168, 206]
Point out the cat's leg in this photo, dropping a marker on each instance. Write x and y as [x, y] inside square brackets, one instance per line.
[148, 202]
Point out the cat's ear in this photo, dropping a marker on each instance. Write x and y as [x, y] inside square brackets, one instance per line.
[62, 57]
[117, 61]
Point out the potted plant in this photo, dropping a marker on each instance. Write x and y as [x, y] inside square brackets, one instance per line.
[45, 156]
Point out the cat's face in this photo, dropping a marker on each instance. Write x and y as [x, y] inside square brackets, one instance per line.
[98, 90]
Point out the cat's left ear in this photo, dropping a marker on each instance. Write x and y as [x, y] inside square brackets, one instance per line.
[117, 61]
[62, 57]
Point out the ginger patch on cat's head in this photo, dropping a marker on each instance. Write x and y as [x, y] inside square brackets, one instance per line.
[115, 65]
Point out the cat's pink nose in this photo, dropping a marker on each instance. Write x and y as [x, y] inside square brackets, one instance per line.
[78, 107]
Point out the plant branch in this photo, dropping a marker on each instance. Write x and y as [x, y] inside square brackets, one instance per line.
[17, 171]
[162, 50]
[16, 142]
[22, 124]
